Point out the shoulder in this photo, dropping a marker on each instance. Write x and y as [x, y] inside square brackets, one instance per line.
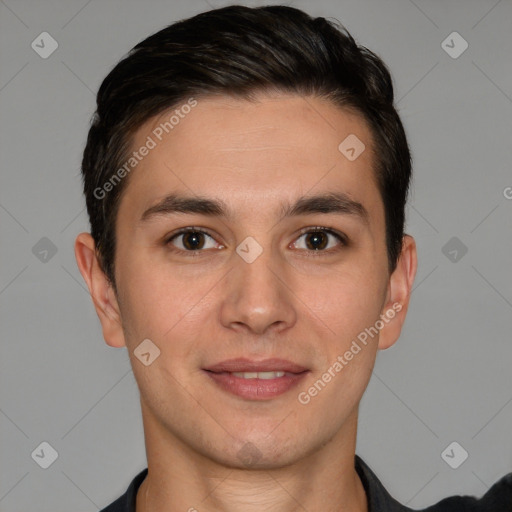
[126, 502]
[497, 499]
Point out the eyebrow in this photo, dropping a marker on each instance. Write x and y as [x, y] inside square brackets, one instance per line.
[331, 202]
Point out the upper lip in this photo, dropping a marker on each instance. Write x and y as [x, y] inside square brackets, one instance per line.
[248, 365]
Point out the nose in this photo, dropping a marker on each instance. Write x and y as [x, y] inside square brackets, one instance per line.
[256, 296]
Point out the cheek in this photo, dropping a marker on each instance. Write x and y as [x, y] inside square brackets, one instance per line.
[161, 303]
[346, 313]
[345, 301]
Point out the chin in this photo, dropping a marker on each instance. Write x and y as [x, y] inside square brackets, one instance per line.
[263, 453]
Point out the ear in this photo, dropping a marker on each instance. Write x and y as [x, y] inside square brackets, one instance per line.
[101, 290]
[399, 292]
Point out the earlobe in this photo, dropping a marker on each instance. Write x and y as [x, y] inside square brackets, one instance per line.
[100, 289]
[399, 293]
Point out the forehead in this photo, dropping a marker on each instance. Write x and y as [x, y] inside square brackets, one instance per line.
[251, 153]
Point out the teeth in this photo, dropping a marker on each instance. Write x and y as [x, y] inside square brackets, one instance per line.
[258, 375]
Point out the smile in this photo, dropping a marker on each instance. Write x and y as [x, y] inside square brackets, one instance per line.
[258, 375]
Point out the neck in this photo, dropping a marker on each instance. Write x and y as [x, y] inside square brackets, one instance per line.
[182, 479]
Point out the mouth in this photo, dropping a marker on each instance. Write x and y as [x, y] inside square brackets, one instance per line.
[256, 380]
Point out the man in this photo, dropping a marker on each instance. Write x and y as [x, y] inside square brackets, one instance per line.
[246, 175]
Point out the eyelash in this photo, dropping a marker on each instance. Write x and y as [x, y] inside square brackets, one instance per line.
[314, 229]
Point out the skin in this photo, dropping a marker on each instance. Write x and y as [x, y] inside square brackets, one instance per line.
[292, 302]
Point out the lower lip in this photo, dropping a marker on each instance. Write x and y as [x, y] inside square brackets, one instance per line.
[256, 389]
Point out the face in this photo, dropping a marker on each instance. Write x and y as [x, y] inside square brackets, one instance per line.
[263, 273]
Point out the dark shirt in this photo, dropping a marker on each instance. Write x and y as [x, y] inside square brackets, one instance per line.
[497, 499]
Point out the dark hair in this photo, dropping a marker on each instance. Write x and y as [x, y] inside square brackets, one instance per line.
[239, 51]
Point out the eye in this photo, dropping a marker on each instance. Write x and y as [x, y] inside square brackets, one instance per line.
[192, 239]
[313, 239]
[317, 239]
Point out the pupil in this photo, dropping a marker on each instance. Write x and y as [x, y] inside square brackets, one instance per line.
[192, 240]
[316, 238]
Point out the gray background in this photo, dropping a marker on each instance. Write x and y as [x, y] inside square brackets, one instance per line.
[447, 379]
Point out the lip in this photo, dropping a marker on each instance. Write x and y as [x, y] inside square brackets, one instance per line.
[256, 389]
[248, 365]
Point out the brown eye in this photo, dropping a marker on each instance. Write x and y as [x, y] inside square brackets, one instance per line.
[316, 240]
[319, 239]
[191, 240]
